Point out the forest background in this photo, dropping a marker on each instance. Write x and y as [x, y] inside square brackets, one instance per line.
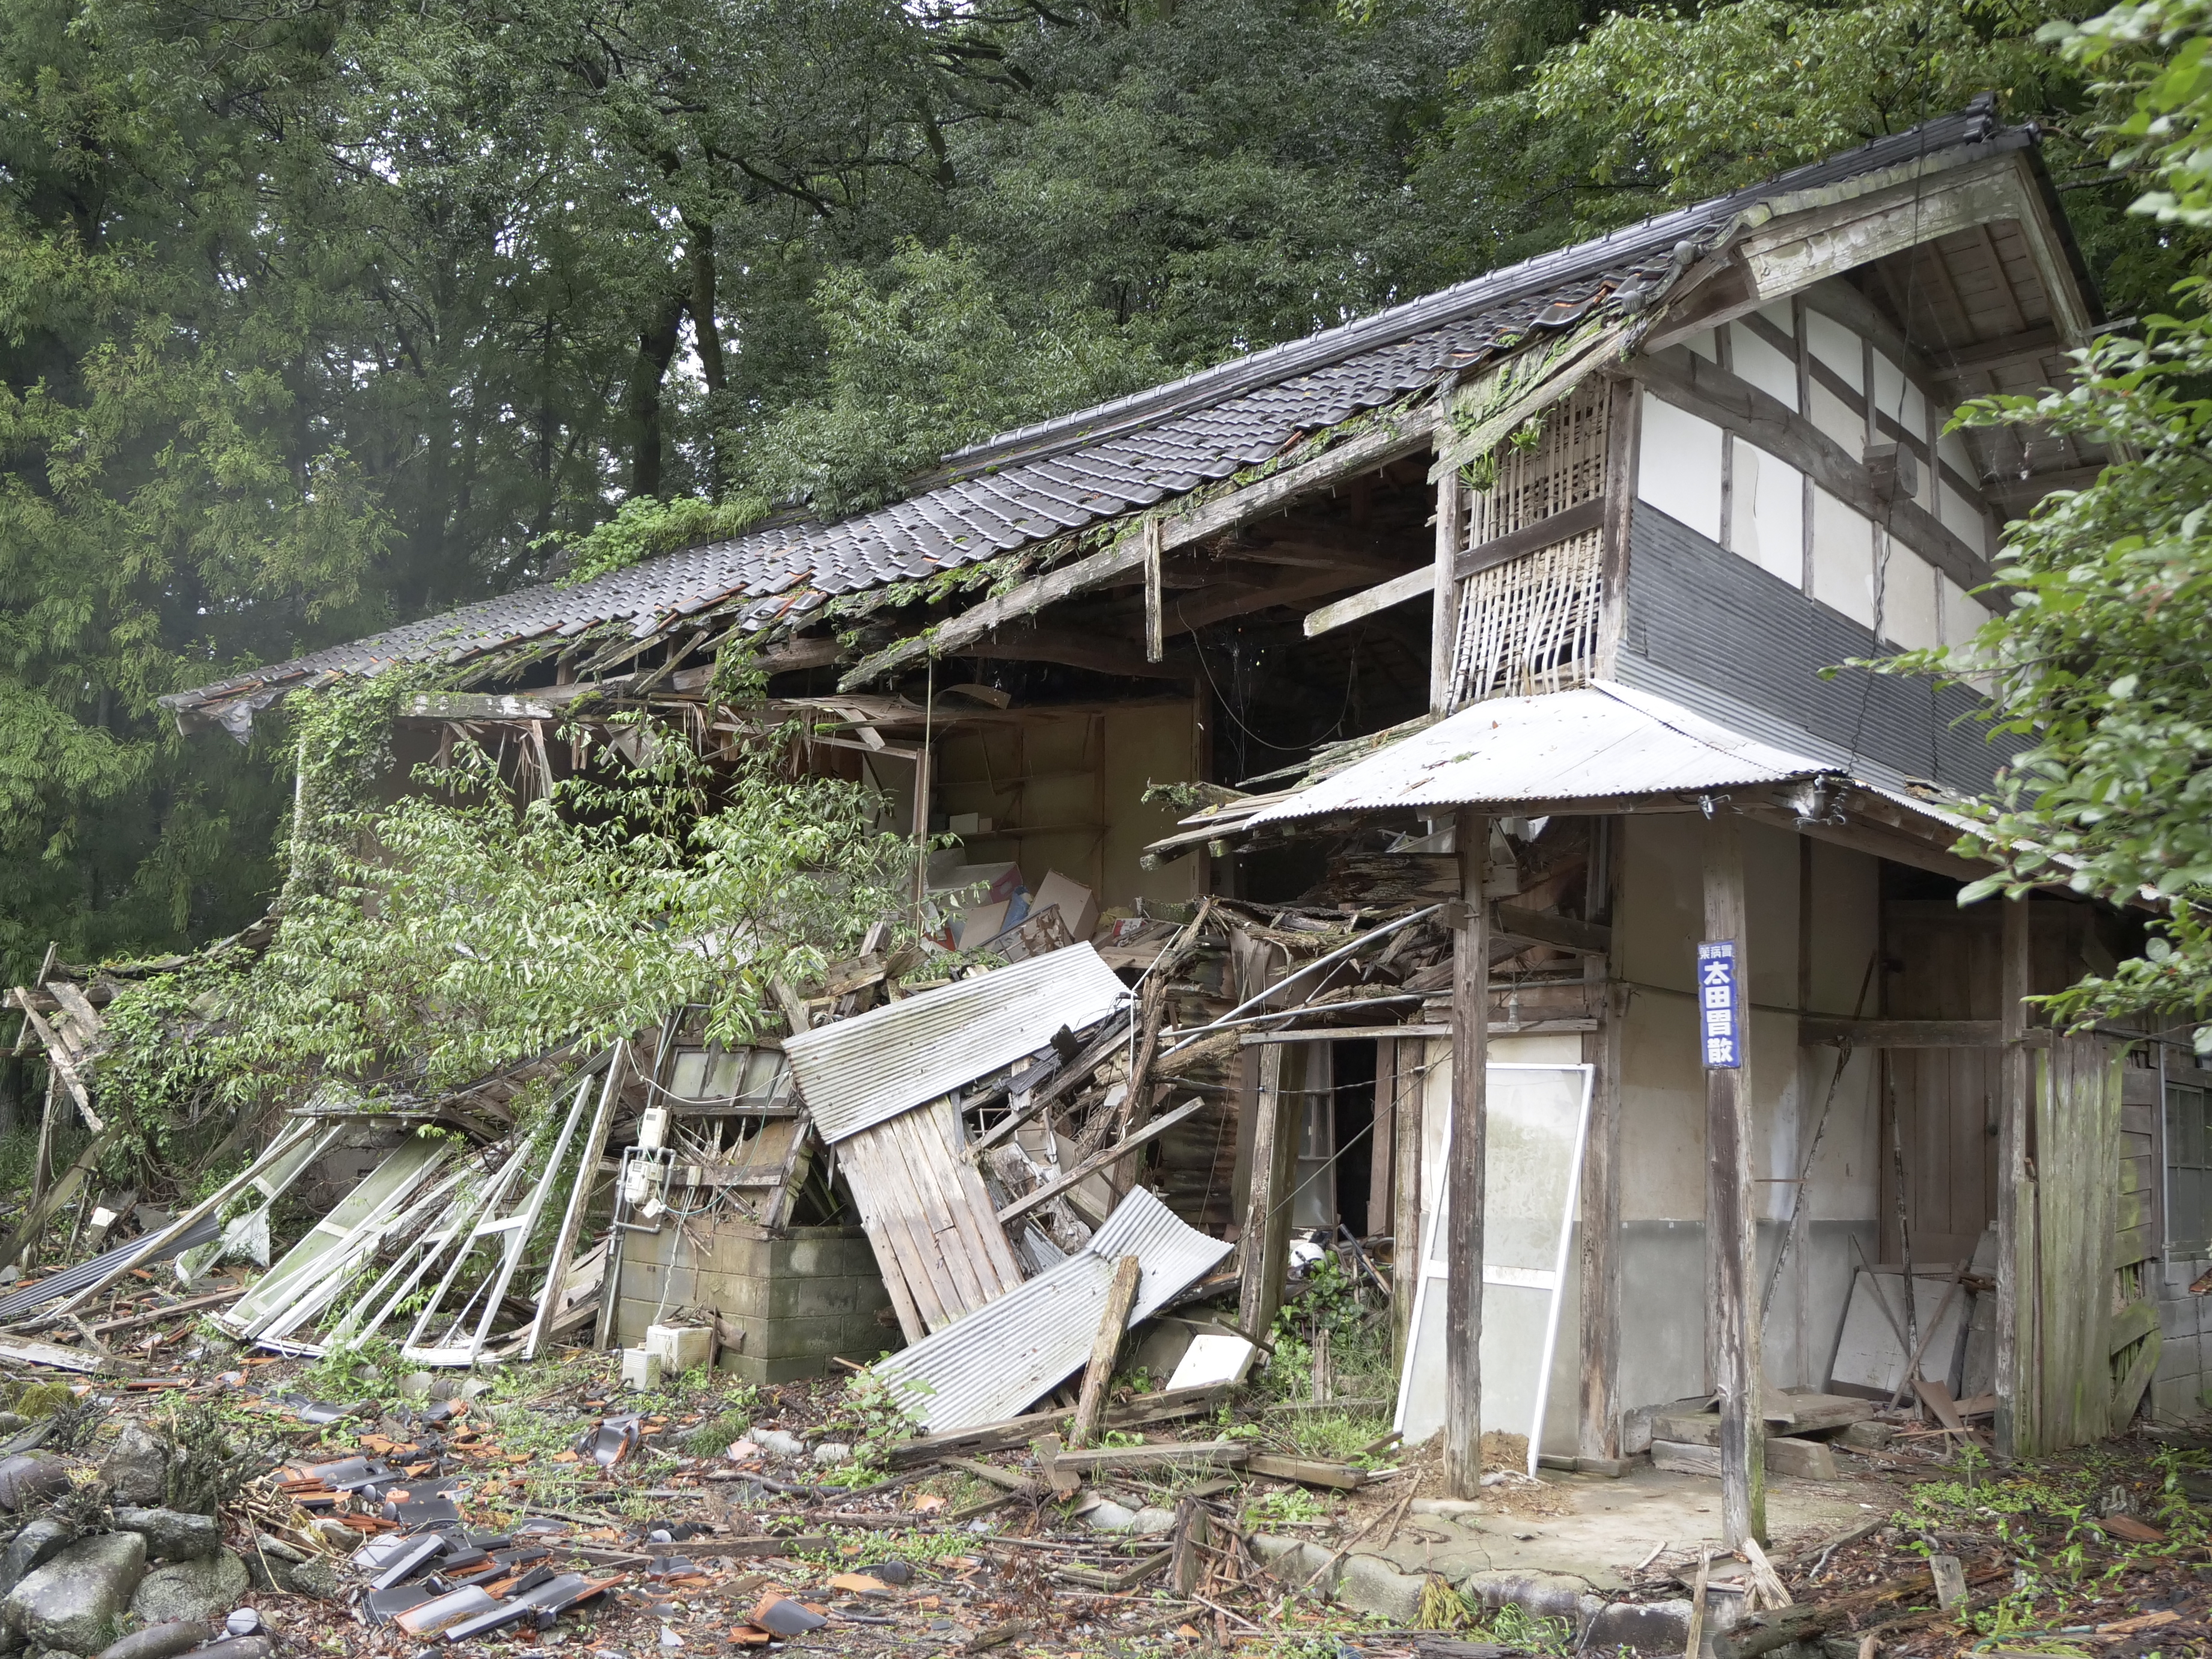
[319, 317]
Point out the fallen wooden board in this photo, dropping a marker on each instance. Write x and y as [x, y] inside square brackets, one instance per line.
[1808, 1460]
[1020, 1431]
[1230, 1452]
[23, 1350]
[1305, 1471]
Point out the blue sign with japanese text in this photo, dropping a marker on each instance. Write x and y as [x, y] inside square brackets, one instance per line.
[1720, 1008]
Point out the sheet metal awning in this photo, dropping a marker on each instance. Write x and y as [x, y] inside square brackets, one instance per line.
[856, 1073]
[1601, 741]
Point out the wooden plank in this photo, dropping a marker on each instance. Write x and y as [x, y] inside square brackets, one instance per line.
[1125, 558]
[1590, 938]
[1598, 1425]
[2131, 1324]
[23, 1350]
[1704, 389]
[1464, 1175]
[2014, 1423]
[1554, 528]
[1733, 1316]
[1166, 1455]
[926, 1156]
[1408, 1067]
[912, 1326]
[1090, 1166]
[1265, 1238]
[59, 1057]
[1113, 1325]
[978, 1223]
[877, 1177]
[1307, 1472]
[2135, 1244]
[1399, 590]
[1444, 619]
[1814, 1029]
[1382, 1138]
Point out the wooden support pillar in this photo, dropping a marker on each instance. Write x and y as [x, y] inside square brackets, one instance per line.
[2016, 1413]
[1732, 1318]
[1265, 1240]
[1407, 1071]
[1382, 1138]
[1598, 1433]
[1470, 1022]
[1443, 625]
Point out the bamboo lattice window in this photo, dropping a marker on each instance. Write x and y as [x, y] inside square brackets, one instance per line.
[1530, 625]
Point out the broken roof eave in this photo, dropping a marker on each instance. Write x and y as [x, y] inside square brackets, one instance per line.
[1082, 479]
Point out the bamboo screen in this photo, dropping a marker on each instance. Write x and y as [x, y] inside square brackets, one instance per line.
[1530, 625]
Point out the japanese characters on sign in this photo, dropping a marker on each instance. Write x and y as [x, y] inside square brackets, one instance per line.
[1720, 1008]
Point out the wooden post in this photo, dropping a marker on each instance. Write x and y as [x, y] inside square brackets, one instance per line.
[2015, 1412]
[1121, 1297]
[1156, 648]
[1406, 1081]
[1443, 626]
[1598, 1434]
[1470, 1022]
[1733, 1317]
[1382, 1138]
[1266, 1239]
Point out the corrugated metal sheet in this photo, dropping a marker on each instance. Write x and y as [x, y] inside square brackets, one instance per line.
[860, 1071]
[71, 1280]
[1598, 740]
[1764, 660]
[1001, 1358]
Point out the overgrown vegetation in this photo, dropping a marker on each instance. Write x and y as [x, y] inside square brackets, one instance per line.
[428, 940]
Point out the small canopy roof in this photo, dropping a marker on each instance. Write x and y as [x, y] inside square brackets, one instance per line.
[1599, 742]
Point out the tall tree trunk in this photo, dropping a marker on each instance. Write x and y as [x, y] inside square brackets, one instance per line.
[704, 331]
[656, 346]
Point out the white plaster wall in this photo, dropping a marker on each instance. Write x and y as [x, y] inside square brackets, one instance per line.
[1843, 557]
[1911, 608]
[1897, 398]
[1961, 616]
[1702, 343]
[1761, 365]
[1836, 420]
[1679, 466]
[1769, 514]
[1960, 516]
[1837, 347]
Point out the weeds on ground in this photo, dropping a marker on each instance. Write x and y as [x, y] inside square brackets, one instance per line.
[733, 1422]
[1288, 1503]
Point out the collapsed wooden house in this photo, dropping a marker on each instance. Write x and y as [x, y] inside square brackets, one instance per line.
[1502, 614]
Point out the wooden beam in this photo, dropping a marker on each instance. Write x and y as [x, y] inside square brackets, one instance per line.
[1465, 1165]
[2014, 497]
[1548, 531]
[1399, 590]
[2029, 346]
[59, 1057]
[1265, 1240]
[1569, 934]
[1688, 381]
[1443, 622]
[2016, 1426]
[1730, 1228]
[1913, 1033]
[1598, 1429]
[1101, 654]
[1125, 558]
[1112, 1324]
[1406, 1070]
[1092, 1165]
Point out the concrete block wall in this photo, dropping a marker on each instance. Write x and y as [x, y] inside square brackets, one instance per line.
[2181, 1388]
[794, 1298]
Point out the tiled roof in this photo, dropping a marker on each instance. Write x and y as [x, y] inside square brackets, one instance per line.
[1030, 485]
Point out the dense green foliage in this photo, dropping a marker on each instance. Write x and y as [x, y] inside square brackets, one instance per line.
[430, 940]
[319, 317]
[2100, 664]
